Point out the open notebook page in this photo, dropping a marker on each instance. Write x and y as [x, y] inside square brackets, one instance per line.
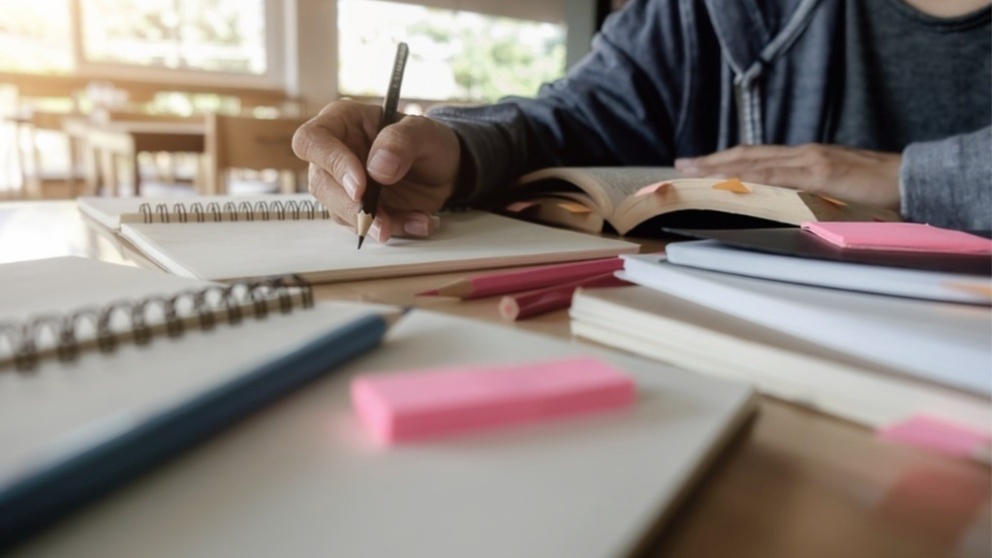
[323, 251]
[608, 186]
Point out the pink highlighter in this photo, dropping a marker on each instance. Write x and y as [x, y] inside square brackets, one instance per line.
[435, 402]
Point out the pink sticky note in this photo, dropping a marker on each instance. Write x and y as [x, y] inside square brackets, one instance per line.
[909, 237]
[938, 436]
[435, 402]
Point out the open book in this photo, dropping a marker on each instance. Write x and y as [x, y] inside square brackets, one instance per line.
[302, 476]
[623, 198]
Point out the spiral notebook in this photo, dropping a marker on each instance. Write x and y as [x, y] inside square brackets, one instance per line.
[106, 370]
[305, 479]
[234, 240]
[112, 212]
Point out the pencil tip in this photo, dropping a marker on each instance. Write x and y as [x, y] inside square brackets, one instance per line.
[361, 239]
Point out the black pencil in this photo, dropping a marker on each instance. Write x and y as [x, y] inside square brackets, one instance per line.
[370, 198]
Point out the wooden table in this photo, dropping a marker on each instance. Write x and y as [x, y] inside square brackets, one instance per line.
[108, 144]
[796, 484]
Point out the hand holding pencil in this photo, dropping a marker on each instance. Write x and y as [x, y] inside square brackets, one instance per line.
[415, 159]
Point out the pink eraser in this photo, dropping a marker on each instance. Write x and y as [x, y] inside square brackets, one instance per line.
[909, 237]
[434, 402]
[936, 435]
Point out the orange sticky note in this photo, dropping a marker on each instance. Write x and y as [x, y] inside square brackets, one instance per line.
[659, 187]
[573, 207]
[733, 185]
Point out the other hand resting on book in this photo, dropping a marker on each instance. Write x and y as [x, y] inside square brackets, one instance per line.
[869, 177]
[415, 159]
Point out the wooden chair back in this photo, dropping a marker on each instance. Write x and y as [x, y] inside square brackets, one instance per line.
[240, 142]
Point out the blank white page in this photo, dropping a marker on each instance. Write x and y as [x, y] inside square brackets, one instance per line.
[323, 251]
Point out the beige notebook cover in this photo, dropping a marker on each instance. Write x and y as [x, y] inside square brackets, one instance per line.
[303, 479]
[324, 251]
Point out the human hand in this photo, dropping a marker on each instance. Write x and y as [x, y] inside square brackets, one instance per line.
[869, 177]
[415, 159]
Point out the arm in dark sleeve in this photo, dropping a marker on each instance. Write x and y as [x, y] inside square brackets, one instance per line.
[948, 183]
[618, 106]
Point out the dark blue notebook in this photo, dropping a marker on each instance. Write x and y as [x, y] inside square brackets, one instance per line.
[99, 392]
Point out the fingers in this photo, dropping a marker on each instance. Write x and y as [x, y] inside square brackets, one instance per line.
[806, 167]
[789, 177]
[336, 142]
[736, 157]
[329, 192]
[391, 222]
[398, 146]
[388, 222]
[333, 141]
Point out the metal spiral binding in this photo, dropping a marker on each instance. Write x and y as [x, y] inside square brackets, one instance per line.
[24, 339]
[196, 212]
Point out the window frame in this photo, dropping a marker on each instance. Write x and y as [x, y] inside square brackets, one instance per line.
[274, 76]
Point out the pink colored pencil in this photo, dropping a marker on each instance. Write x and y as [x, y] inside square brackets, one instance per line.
[524, 280]
[541, 301]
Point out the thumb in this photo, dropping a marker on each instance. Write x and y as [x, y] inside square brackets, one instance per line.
[400, 145]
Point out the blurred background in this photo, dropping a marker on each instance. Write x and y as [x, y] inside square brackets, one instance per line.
[131, 97]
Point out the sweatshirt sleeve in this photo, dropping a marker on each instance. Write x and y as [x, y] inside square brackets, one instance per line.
[948, 183]
[618, 106]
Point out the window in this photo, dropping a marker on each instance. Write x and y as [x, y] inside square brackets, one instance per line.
[35, 36]
[454, 55]
[223, 42]
[226, 36]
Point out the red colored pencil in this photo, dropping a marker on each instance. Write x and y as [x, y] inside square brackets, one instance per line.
[515, 281]
[532, 303]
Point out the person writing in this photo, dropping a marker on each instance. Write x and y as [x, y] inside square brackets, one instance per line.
[884, 102]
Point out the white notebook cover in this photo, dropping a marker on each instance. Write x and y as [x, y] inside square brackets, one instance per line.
[936, 341]
[695, 337]
[895, 281]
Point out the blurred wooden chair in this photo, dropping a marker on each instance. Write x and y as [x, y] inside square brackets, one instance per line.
[240, 142]
[29, 132]
[164, 166]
